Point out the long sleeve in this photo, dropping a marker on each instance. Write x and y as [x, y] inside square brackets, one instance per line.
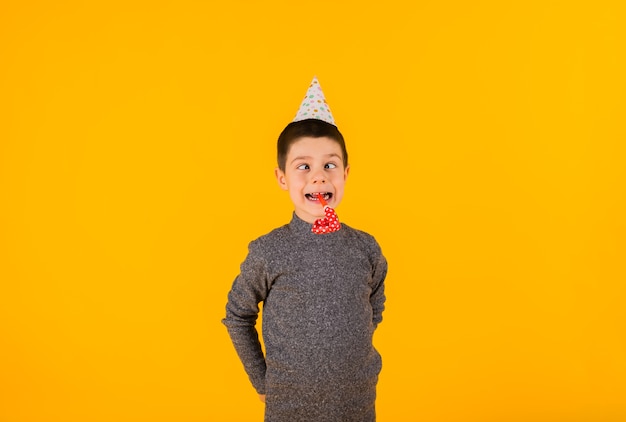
[377, 298]
[248, 290]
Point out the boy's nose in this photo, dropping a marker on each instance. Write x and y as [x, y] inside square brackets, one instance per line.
[319, 177]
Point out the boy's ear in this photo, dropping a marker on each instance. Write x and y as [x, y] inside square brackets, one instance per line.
[280, 178]
[345, 172]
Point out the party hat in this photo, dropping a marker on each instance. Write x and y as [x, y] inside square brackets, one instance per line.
[314, 105]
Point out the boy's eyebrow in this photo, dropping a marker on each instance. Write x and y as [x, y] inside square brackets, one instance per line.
[300, 157]
[308, 157]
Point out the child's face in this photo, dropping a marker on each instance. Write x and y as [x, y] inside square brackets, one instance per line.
[313, 165]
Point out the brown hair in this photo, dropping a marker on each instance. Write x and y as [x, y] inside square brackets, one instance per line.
[313, 128]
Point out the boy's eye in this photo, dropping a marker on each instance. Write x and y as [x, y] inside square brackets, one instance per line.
[303, 167]
[330, 166]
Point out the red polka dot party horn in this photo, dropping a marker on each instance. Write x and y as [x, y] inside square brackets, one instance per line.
[328, 224]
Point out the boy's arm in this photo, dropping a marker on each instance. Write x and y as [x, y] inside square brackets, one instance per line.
[242, 310]
[377, 297]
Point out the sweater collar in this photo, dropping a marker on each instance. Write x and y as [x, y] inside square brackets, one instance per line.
[301, 227]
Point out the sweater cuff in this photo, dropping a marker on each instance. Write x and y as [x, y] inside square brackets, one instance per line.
[259, 385]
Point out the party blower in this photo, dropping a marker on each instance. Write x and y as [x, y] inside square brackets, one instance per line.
[328, 224]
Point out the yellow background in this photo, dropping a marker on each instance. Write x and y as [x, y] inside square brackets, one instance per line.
[487, 144]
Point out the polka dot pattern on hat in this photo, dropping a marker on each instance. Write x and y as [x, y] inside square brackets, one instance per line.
[328, 224]
[314, 105]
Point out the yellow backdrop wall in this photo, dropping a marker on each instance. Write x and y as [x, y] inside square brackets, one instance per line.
[487, 144]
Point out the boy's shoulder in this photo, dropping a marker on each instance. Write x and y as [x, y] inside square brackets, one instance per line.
[362, 237]
[271, 239]
[361, 234]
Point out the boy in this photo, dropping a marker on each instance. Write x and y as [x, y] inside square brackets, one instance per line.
[321, 284]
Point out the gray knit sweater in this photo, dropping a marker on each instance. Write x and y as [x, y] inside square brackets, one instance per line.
[323, 296]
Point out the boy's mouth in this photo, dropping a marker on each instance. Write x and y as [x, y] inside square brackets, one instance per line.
[313, 196]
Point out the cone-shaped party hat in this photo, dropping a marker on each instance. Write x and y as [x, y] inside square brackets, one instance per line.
[314, 105]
